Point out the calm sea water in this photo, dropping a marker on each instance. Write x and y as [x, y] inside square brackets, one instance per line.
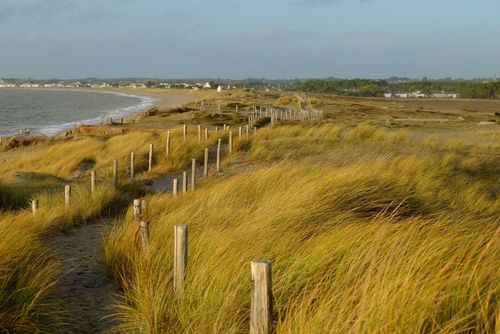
[48, 112]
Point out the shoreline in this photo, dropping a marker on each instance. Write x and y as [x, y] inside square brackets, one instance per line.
[147, 100]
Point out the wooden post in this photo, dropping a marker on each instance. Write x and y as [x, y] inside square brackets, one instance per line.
[254, 130]
[184, 131]
[219, 144]
[225, 127]
[247, 130]
[184, 182]
[144, 231]
[261, 308]
[199, 133]
[115, 174]
[34, 205]
[174, 187]
[67, 195]
[230, 142]
[167, 149]
[92, 182]
[180, 257]
[132, 165]
[239, 132]
[137, 209]
[150, 164]
[206, 134]
[193, 175]
[205, 163]
[216, 129]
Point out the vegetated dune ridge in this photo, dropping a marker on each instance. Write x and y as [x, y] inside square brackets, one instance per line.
[371, 228]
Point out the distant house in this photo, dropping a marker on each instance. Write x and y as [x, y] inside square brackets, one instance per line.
[388, 95]
[444, 95]
[401, 95]
[417, 95]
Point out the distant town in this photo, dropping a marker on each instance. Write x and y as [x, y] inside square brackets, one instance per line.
[392, 88]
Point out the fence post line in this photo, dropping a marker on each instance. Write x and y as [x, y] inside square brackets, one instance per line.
[219, 144]
[115, 174]
[199, 133]
[174, 187]
[150, 161]
[193, 175]
[261, 308]
[205, 164]
[67, 195]
[167, 148]
[184, 131]
[144, 231]
[92, 182]
[34, 205]
[180, 257]
[132, 165]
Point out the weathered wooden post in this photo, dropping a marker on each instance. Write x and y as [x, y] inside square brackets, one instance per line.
[137, 209]
[167, 148]
[174, 187]
[206, 134]
[239, 132]
[219, 144]
[92, 182]
[132, 165]
[180, 257]
[184, 182]
[67, 195]
[184, 131]
[34, 206]
[216, 129]
[225, 127]
[199, 133]
[247, 130]
[254, 130]
[115, 174]
[144, 231]
[205, 164]
[261, 308]
[193, 175]
[230, 142]
[150, 161]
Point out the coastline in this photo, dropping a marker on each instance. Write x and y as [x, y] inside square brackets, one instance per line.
[148, 98]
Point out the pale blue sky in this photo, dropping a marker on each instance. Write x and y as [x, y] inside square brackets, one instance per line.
[257, 38]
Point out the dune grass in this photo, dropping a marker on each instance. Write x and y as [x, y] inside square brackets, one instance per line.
[369, 230]
[28, 270]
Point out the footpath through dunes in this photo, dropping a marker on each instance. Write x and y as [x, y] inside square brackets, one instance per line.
[87, 294]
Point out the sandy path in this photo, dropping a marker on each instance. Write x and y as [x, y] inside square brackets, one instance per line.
[88, 294]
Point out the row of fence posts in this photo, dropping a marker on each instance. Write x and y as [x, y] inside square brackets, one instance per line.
[261, 302]
[258, 113]
[277, 114]
[93, 177]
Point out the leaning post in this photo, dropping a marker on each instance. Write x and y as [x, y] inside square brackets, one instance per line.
[150, 160]
[167, 148]
[132, 165]
[219, 144]
[67, 195]
[193, 175]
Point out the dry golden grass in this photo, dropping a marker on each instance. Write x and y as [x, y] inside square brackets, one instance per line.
[369, 232]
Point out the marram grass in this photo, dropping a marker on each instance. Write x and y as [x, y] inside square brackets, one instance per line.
[380, 242]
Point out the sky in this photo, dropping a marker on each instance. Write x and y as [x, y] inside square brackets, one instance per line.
[254, 38]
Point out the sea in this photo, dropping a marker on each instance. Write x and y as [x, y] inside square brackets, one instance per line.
[48, 112]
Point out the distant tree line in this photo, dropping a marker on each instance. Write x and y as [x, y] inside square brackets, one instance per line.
[376, 88]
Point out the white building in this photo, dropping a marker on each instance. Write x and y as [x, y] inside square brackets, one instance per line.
[388, 95]
[219, 89]
[207, 85]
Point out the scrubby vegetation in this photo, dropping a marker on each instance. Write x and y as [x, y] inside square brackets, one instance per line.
[369, 231]
[372, 227]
